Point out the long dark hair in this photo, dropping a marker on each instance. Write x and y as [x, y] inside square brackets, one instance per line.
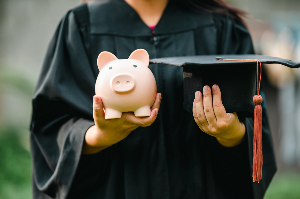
[212, 6]
[209, 6]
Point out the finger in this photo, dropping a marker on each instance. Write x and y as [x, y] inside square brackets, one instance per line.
[145, 121]
[198, 122]
[198, 109]
[232, 116]
[194, 109]
[207, 106]
[218, 107]
[97, 108]
[157, 101]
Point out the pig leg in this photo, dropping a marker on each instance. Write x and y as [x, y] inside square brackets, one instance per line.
[143, 111]
[111, 113]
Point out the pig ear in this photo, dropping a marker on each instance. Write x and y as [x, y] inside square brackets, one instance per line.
[104, 58]
[141, 55]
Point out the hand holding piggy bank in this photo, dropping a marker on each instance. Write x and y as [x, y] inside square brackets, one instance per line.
[125, 85]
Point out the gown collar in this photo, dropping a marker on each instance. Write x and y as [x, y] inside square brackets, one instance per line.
[116, 17]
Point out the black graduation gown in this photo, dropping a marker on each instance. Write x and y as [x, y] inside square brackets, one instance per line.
[170, 159]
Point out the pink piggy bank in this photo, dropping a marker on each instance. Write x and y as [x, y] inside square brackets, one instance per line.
[125, 85]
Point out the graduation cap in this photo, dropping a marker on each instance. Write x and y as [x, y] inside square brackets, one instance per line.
[238, 77]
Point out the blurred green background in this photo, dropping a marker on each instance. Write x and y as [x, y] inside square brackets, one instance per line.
[26, 27]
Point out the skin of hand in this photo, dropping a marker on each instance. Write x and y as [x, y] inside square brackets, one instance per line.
[211, 117]
[107, 132]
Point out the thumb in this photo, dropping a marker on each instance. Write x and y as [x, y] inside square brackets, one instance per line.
[233, 117]
[97, 108]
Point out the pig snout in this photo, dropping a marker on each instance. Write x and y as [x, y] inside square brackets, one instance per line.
[122, 83]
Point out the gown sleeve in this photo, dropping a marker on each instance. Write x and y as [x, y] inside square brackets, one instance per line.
[62, 111]
[234, 38]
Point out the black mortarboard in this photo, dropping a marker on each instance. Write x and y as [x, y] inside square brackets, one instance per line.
[238, 77]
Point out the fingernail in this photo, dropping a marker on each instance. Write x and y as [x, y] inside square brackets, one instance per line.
[96, 99]
[197, 94]
[206, 88]
[156, 112]
[160, 95]
[215, 87]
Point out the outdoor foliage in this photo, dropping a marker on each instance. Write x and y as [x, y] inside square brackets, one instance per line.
[15, 166]
[285, 186]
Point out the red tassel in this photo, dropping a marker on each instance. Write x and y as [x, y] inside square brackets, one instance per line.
[257, 140]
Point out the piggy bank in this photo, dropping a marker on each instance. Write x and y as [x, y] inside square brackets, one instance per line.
[125, 85]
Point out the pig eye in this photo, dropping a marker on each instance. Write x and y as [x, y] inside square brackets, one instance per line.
[110, 68]
[134, 66]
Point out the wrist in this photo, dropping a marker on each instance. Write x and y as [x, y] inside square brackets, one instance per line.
[95, 141]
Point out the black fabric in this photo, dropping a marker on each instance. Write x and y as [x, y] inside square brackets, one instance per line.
[170, 159]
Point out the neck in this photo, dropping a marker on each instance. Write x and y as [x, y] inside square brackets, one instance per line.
[150, 11]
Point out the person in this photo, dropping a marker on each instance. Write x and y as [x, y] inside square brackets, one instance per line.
[170, 154]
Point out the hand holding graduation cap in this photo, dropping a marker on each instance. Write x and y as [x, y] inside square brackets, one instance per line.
[211, 117]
